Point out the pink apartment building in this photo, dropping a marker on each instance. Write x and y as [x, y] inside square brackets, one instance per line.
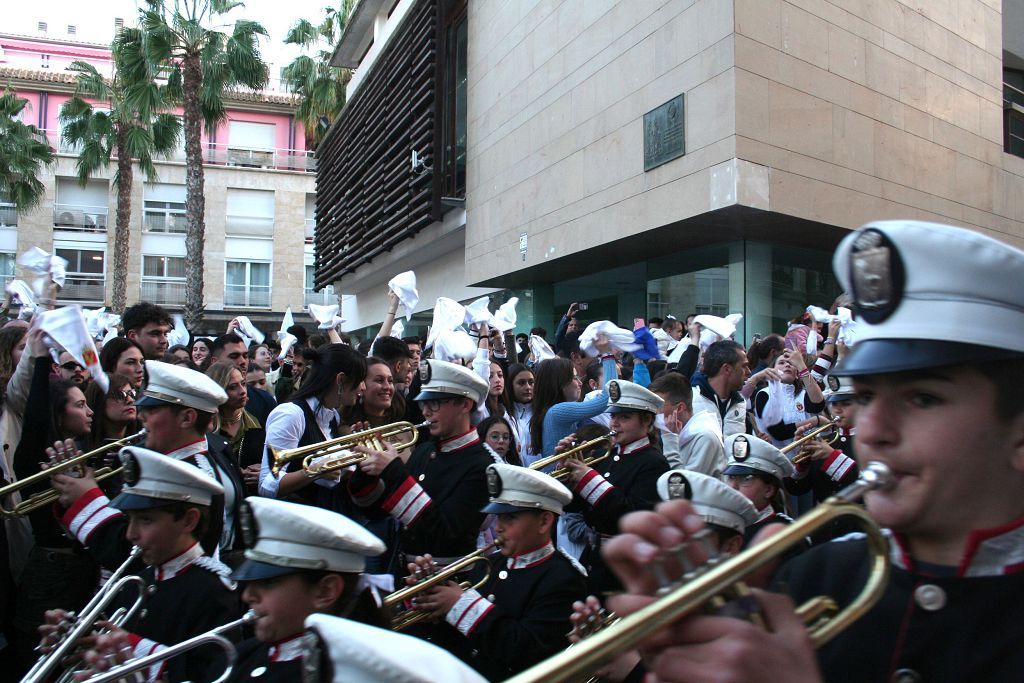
[259, 201]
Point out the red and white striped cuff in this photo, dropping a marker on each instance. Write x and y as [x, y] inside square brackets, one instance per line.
[368, 495]
[593, 487]
[836, 465]
[141, 647]
[468, 612]
[87, 514]
[408, 502]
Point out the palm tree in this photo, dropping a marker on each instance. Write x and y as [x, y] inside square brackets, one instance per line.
[130, 129]
[200, 62]
[23, 154]
[320, 86]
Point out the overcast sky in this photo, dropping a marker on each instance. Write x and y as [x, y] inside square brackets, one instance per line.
[94, 19]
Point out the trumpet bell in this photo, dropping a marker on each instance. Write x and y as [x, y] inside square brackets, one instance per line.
[335, 450]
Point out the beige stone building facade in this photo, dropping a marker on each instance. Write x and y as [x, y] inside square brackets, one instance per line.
[801, 119]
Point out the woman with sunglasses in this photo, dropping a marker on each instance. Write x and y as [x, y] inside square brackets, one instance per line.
[114, 413]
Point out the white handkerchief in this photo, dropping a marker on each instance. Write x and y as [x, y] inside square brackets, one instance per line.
[179, 334]
[454, 345]
[448, 315]
[249, 329]
[288, 319]
[504, 319]
[67, 327]
[620, 338]
[45, 267]
[820, 314]
[398, 329]
[723, 327]
[287, 341]
[541, 349]
[404, 287]
[327, 316]
[477, 312]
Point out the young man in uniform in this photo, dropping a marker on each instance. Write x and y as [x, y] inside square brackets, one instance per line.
[176, 407]
[168, 506]
[436, 495]
[625, 481]
[521, 614]
[757, 469]
[945, 414]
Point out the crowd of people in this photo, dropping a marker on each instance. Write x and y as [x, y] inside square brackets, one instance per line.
[311, 485]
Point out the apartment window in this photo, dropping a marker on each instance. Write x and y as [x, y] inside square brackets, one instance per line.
[8, 260]
[44, 61]
[323, 297]
[250, 144]
[118, 23]
[310, 218]
[247, 284]
[163, 280]
[454, 119]
[81, 209]
[72, 30]
[250, 213]
[8, 214]
[164, 208]
[41, 26]
[85, 269]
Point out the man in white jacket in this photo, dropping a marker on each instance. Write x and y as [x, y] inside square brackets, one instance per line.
[690, 442]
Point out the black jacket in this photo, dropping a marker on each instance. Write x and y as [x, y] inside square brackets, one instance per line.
[951, 629]
[437, 497]
[527, 618]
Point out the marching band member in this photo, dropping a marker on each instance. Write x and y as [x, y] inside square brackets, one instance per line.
[757, 469]
[518, 617]
[724, 511]
[436, 495]
[300, 561]
[334, 379]
[168, 504]
[624, 482]
[176, 408]
[829, 467]
[945, 415]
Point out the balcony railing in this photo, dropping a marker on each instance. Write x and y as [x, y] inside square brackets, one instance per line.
[247, 296]
[8, 215]
[220, 154]
[324, 297]
[310, 230]
[82, 288]
[163, 291]
[249, 226]
[79, 218]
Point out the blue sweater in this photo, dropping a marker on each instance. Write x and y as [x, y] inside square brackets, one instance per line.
[564, 418]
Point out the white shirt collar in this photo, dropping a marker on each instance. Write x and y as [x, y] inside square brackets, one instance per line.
[532, 558]
[459, 442]
[191, 449]
[286, 650]
[636, 445]
[177, 565]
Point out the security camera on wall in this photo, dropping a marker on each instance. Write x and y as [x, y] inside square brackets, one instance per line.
[419, 165]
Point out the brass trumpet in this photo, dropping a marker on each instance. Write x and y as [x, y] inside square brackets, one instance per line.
[705, 584]
[83, 623]
[574, 453]
[406, 618]
[214, 636]
[813, 434]
[338, 452]
[78, 463]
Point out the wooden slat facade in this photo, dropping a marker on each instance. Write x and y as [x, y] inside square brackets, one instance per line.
[368, 198]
